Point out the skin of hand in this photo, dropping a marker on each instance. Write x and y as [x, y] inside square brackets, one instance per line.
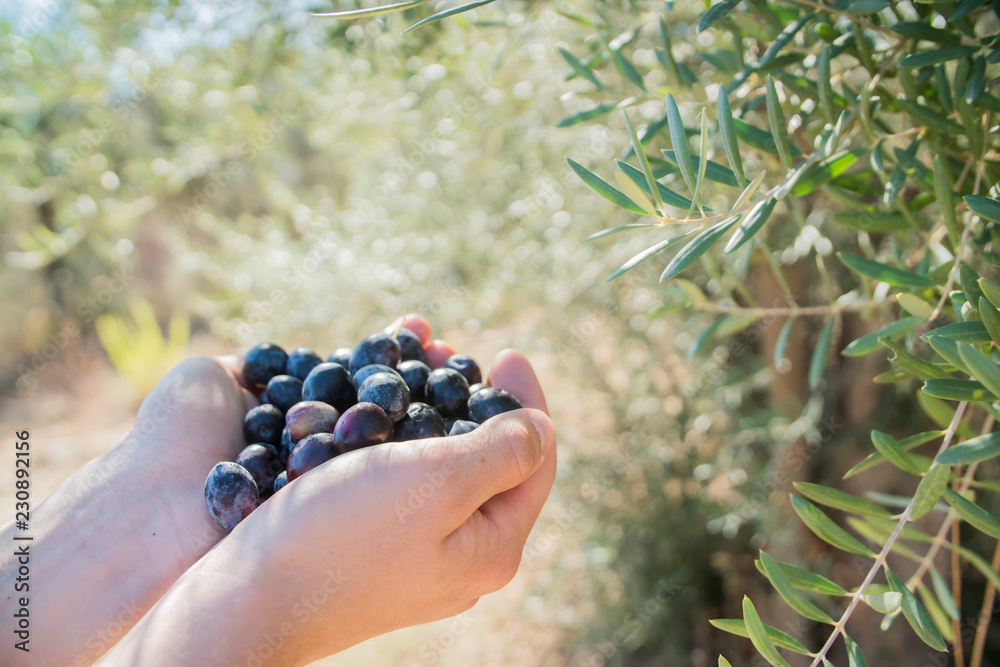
[373, 540]
[111, 539]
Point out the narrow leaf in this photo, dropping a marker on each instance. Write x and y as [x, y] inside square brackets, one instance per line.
[929, 490]
[698, 246]
[373, 11]
[702, 160]
[981, 366]
[448, 12]
[782, 344]
[916, 615]
[751, 224]
[938, 55]
[603, 188]
[883, 603]
[973, 514]
[646, 254]
[854, 656]
[840, 500]
[957, 390]
[580, 68]
[776, 119]
[806, 580]
[728, 132]
[986, 208]
[587, 114]
[944, 594]
[643, 162]
[634, 192]
[715, 13]
[894, 453]
[787, 591]
[906, 444]
[759, 637]
[869, 342]
[824, 528]
[678, 140]
[883, 272]
[738, 627]
[818, 362]
[980, 448]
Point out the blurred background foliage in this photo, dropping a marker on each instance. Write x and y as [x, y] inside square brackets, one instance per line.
[241, 171]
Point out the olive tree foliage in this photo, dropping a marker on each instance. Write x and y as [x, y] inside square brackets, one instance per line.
[871, 123]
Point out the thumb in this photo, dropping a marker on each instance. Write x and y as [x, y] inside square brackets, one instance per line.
[503, 452]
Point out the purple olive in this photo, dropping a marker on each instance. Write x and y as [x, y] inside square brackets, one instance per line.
[362, 425]
[309, 417]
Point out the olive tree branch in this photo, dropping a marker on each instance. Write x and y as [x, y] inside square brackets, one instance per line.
[880, 559]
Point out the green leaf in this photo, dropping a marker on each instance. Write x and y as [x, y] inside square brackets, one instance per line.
[448, 12]
[738, 627]
[854, 656]
[806, 580]
[883, 272]
[783, 39]
[945, 195]
[911, 364]
[713, 170]
[929, 490]
[678, 140]
[758, 138]
[981, 367]
[698, 246]
[587, 114]
[965, 8]
[627, 69]
[869, 342]
[961, 332]
[819, 173]
[941, 414]
[724, 663]
[751, 224]
[620, 228]
[916, 615]
[944, 594]
[990, 289]
[974, 85]
[922, 30]
[840, 500]
[986, 208]
[888, 447]
[782, 344]
[924, 115]
[702, 160]
[906, 444]
[581, 69]
[776, 119]
[603, 188]
[980, 448]
[824, 89]
[759, 637]
[957, 390]
[716, 13]
[667, 195]
[973, 514]
[818, 362]
[787, 591]
[883, 603]
[643, 162]
[646, 254]
[914, 305]
[372, 11]
[864, 7]
[990, 317]
[824, 528]
[873, 220]
[728, 132]
[938, 55]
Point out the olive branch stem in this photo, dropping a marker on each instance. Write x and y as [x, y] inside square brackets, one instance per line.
[880, 559]
[796, 311]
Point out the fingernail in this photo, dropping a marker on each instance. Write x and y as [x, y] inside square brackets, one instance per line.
[545, 428]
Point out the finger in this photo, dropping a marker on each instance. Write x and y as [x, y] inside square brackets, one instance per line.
[415, 323]
[515, 511]
[233, 364]
[502, 453]
[438, 352]
[511, 371]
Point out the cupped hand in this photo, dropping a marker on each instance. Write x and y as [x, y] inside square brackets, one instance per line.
[373, 540]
